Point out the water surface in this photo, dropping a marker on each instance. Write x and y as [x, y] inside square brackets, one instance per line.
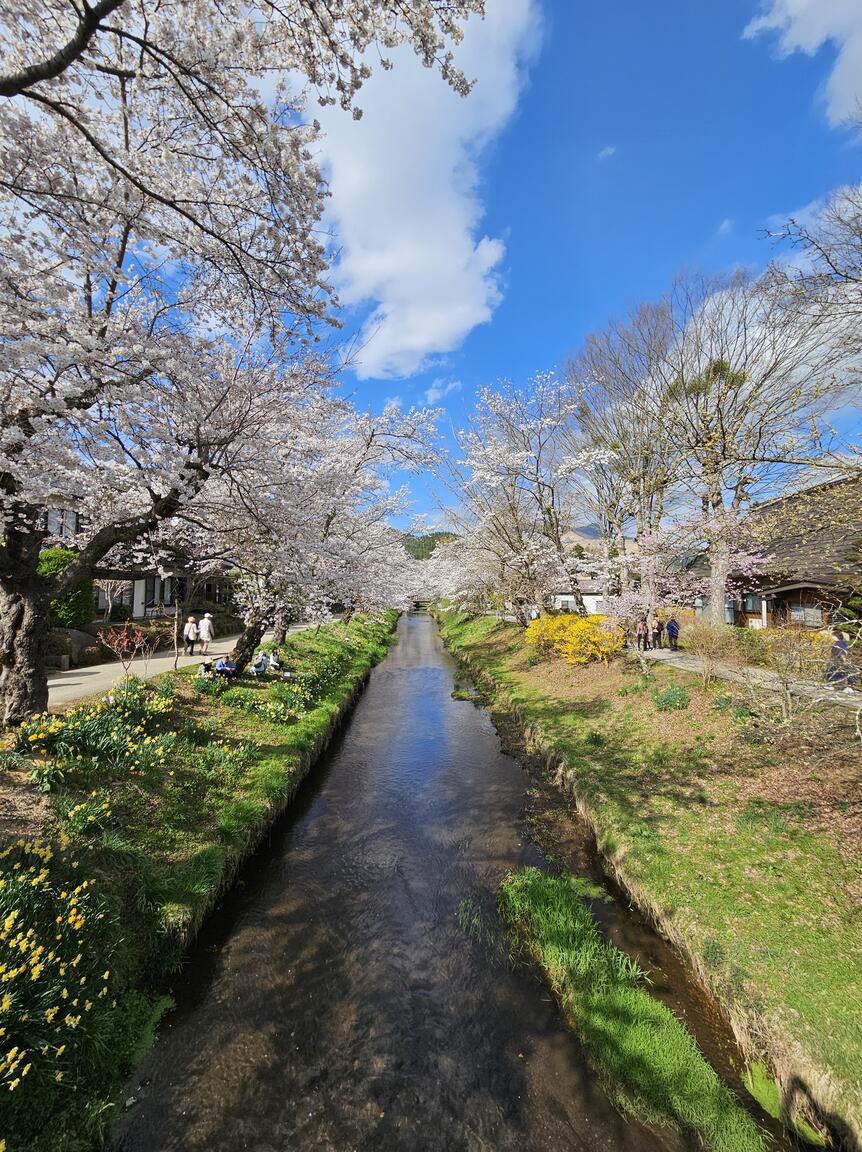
[335, 1003]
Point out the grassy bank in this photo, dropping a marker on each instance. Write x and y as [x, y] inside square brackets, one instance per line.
[156, 796]
[649, 1061]
[741, 842]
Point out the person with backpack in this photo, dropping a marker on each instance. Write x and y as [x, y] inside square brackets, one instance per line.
[656, 627]
[672, 629]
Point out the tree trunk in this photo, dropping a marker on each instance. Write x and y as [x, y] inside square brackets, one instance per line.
[580, 606]
[279, 626]
[346, 615]
[23, 649]
[719, 571]
[250, 638]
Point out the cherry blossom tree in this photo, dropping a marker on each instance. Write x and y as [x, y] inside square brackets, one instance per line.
[159, 209]
[310, 522]
[519, 481]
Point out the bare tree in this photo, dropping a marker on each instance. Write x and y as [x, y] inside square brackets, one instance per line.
[630, 483]
[745, 386]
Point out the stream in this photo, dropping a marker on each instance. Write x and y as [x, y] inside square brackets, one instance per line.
[335, 1002]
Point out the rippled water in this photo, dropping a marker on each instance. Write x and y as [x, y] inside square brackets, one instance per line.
[336, 1003]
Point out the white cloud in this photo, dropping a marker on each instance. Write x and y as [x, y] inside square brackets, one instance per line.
[440, 389]
[606, 152]
[805, 26]
[406, 207]
[725, 227]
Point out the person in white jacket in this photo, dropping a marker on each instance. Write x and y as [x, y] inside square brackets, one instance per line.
[190, 634]
[206, 633]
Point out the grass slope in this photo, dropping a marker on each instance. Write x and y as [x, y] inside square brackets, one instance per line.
[645, 1054]
[157, 803]
[762, 895]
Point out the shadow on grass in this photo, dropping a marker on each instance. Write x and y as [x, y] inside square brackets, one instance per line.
[797, 1097]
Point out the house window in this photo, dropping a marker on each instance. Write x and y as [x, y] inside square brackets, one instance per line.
[752, 603]
[150, 592]
[63, 522]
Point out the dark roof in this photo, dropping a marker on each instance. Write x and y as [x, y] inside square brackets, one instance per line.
[813, 535]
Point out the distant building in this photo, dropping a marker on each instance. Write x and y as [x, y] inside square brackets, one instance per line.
[813, 541]
[592, 592]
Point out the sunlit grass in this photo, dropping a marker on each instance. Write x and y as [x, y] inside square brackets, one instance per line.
[763, 899]
[645, 1054]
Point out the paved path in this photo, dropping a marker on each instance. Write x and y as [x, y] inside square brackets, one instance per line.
[66, 687]
[760, 676]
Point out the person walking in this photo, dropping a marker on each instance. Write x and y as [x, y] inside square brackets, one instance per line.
[655, 627]
[190, 634]
[839, 670]
[206, 633]
[672, 629]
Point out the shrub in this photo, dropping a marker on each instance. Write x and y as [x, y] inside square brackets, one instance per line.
[119, 733]
[710, 643]
[747, 645]
[58, 645]
[210, 686]
[674, 698]
[56, 939]
[74, 609]
[578, 639]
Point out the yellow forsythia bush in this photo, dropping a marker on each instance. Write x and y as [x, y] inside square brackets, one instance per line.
[578, 639]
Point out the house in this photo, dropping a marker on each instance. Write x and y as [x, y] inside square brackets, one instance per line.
[592, 592]
[813, 543]
[142, 595]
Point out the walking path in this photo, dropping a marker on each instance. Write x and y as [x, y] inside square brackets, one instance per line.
[66, 687]
[761, 677]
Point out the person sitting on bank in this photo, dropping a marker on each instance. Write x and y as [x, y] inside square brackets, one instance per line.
[275, 661]
[206, 670]
[226, 667]
[259, 665]
[672, 629]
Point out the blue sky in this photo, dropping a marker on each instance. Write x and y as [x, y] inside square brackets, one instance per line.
[604, 147]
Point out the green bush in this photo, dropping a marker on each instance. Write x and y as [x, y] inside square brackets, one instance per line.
[58, 645]
[210, 686]
[674, 698]
[74, 609]
[748, 645]
[120, 733]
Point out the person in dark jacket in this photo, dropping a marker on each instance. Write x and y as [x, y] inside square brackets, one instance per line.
[839, 670]
[672, 629]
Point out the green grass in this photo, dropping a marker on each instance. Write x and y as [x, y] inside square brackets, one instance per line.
[179, 823]
[761, 898]
[649, 1061]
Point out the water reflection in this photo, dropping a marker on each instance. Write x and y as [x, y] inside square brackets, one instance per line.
[336, 1002]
